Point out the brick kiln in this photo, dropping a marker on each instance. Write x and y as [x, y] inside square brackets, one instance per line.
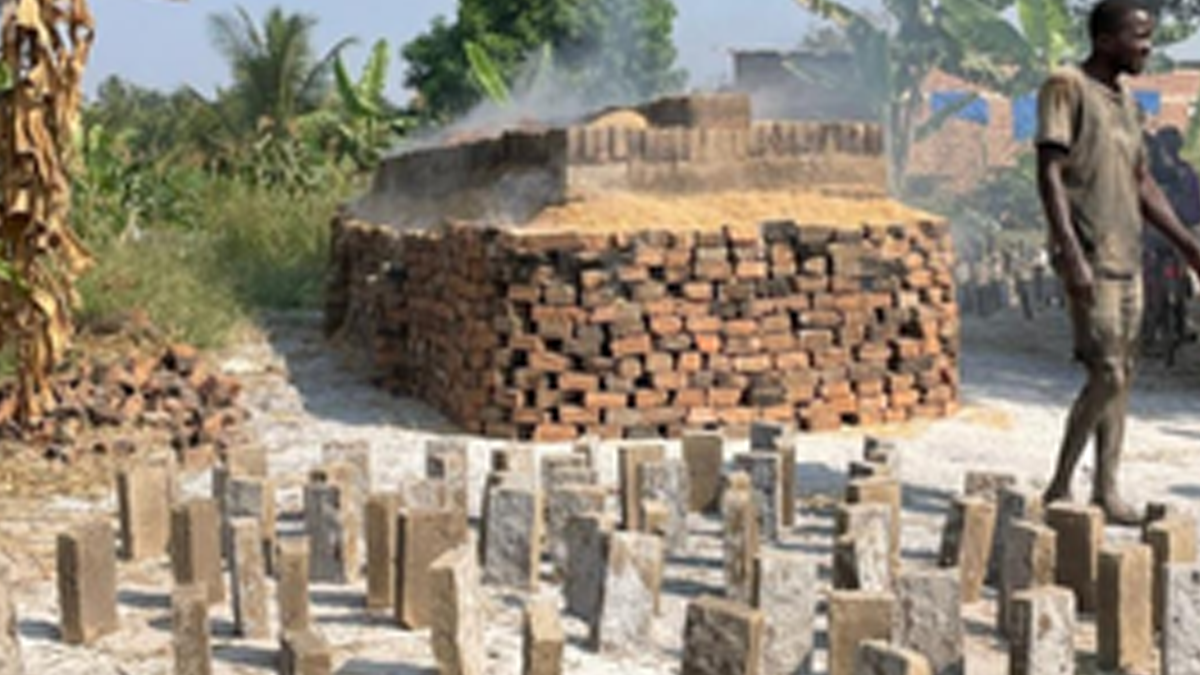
[651, 271]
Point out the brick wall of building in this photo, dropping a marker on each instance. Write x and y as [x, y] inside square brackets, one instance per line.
[961, 153]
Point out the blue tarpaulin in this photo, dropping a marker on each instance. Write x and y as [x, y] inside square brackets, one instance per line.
[1149, 101]
[976, 111]
[1024, 117]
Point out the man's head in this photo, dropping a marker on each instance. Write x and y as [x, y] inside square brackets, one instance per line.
[1122, 32]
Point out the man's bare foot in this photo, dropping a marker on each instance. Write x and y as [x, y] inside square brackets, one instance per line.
[1118, 512]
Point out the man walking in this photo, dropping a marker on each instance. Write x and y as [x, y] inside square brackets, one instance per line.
[1097, 192]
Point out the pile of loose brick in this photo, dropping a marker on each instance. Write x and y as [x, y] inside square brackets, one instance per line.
[169, 392]
[554, 335]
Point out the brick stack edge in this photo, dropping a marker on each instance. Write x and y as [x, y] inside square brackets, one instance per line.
[552, 336]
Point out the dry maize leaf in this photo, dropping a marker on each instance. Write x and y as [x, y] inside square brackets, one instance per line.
[29, 17]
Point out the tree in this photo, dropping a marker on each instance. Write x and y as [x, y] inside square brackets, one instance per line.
[891, 60]
[264, 125]
[625, 52]
[971, 39]
[608, 50]
[277, 76]
[367, 123]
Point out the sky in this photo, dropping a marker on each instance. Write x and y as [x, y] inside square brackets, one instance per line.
[165, 44]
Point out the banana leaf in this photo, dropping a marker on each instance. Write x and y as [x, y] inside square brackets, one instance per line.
[486, 74]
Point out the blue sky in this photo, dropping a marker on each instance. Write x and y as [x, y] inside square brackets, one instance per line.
[165, 44]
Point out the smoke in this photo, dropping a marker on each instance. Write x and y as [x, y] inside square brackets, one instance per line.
[604, 70]
[545, 95]
[618, 63]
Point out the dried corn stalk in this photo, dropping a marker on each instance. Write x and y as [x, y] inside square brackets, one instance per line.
[45, 49]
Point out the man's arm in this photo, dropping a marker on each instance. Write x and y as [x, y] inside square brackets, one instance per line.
[1158, 212]
[1075, 268]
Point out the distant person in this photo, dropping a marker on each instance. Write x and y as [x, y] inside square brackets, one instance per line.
[1166, 285]
[1176, 176]
[1096, 188]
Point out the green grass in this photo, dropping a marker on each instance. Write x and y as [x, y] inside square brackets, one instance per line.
[250, 250]
[171, 277]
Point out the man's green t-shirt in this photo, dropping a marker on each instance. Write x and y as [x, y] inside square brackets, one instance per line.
[1102, 134]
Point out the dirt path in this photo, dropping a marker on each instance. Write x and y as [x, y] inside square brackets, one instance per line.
[301, 394]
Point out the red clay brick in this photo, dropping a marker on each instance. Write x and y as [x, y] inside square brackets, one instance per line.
[549, 362]
[704, 324]
[714, 270]
[554, 433]
[578, 416]
[691, 398]
[633, 273]
[649, 399]
[792, 361]
[708, 344]
[751, 269]
[666, 325]
[659, 362]
[669, 380]
[698, 290]
[779, 413]
[604, 400]
[578, 382]
[752, 364]
[690, 362]
[736, 415]
[740, 327]
[778, 342]
[634, 344]
[724, 398]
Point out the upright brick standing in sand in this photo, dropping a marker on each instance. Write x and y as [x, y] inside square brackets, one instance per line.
[87, 582]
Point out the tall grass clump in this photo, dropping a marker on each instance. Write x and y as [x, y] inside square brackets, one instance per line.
[246, 250]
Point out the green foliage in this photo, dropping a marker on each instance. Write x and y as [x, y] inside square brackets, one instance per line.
[276, 74]
[259, 249]
[487, 75]
[625, 51]
[367, 123]
[1012, 59]
[438, 71]
[608, 51]
[167, 276]
[891, 63]
[203, 212]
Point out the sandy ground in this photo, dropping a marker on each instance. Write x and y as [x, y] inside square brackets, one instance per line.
[1017, 385]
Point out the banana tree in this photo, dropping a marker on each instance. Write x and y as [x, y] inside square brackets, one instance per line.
[487, 76]
[368, 124]
[1014, 57]
[891, 64]
[1011, 57]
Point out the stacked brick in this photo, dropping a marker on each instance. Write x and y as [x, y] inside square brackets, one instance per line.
[552, 335]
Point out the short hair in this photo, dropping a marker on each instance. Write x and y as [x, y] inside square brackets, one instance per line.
[1108, 16]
